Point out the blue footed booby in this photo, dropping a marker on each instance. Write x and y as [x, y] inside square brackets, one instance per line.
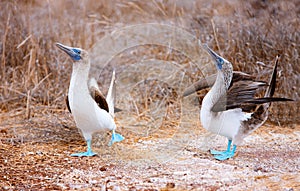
[230, 108]
[91, 111]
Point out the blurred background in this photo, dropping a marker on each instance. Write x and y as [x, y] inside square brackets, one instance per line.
[34, 73]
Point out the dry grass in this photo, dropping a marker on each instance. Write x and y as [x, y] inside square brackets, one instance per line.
[34, 74]
[248, 33]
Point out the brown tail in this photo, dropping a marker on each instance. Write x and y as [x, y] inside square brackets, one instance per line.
[272, 83]
[261, 113]
[271, 88]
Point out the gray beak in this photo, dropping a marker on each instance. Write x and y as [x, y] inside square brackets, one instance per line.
[74, 53]
[219, 61]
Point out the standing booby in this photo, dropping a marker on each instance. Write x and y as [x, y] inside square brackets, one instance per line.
[230, 108]
[91, 111]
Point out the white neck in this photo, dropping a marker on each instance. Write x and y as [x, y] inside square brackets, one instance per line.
[217, 90]
[79, 78]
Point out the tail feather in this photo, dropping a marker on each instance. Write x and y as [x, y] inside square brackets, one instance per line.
[111, 94]
[261, 113]
[272, 83]
[267, 100]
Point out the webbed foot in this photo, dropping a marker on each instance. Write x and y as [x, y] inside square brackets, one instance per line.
[88, 153]
[84, 154]
[115, 138]
[224, 156]
[214, 152]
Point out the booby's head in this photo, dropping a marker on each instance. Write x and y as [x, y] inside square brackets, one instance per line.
[223, 65]
[220, 62]
[76, 54]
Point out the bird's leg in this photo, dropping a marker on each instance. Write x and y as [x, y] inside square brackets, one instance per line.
[227, 155]
[223, 155]
[88, 153]
[115, 138]
[214, 152]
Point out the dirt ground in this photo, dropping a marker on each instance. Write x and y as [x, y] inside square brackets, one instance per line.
[154, 47]
[35, 155]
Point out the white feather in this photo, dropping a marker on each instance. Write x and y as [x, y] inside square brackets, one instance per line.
[88, 116]
[226, 123]
[110, 98]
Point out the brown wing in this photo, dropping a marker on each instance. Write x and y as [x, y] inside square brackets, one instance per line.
[241, 94]
[240, 76]
[243, 97]
[99, 98]
[238, 96]
[200, 85]
[210, 80]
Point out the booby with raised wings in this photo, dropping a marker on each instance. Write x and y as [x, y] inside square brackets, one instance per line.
[230, 108]
[91, 111]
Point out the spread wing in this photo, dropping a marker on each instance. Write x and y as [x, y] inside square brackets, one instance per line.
[210, 80]
[241, 94]
[200, 85]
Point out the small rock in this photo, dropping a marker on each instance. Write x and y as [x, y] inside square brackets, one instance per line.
[170, 185]
[259, 168]
[103, 168]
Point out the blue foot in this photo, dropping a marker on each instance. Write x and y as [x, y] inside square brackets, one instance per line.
[115, 138]
[224, 156]
[214, 152]
[84, 154]
[88, 153]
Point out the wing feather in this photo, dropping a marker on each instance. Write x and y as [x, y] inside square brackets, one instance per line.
[210, 80]
[97, 95]
[241, 93]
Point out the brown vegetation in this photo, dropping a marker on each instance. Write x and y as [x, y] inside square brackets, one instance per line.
[34, 77]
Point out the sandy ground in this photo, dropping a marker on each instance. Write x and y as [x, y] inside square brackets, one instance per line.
[35, 154]
[160, 152]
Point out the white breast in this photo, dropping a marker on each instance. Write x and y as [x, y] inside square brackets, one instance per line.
[226, 123]
[88, 116]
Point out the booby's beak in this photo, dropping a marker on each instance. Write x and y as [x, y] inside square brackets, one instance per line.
[219, 61]
[74, 53]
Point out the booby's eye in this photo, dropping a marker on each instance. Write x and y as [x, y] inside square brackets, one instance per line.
[76, 51]
[220, 61]
[75, 54]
